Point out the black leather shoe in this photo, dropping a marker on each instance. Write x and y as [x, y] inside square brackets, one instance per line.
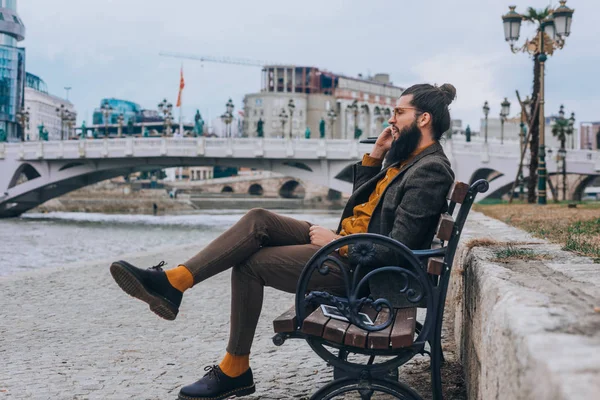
[215, 385]
[150, 285]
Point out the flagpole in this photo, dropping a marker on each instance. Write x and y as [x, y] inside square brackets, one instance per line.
[181, 102]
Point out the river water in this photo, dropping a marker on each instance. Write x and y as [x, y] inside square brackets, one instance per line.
[37, 241]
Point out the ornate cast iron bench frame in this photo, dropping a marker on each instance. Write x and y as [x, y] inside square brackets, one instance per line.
[422, 279]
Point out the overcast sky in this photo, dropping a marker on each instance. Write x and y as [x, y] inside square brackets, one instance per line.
[109, 48]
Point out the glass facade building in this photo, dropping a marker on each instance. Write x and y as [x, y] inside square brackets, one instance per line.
[131, 112]
[12, 70]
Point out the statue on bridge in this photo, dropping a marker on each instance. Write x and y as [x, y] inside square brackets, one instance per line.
[130, 126]
[42, 133]
[357, 132]
[322, 128]
[83, 131]
[468, 133]
[198, 124]
[146, 132]
[260, 128]
[307, 133]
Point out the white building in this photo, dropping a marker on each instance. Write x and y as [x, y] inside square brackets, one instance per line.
[364, 102]
[42, 108]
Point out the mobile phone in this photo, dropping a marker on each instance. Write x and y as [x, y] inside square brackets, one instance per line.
[332, 312]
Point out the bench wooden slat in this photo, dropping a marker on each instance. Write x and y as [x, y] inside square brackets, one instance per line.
[458, 192]
[357, 337]
[314, 323]
[445, 227]
[435, 266]
[380, 339]
[335, 330]
[286, 322]
[403, 332]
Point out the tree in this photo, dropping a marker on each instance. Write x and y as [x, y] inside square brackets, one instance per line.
[534, 16]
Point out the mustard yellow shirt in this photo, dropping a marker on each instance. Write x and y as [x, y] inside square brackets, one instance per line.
[359, 221]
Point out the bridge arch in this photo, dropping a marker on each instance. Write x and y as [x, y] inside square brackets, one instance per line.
[256, 190]
[70, 165]
[227, 189]
[577, 193]
[25, 172]
[292, 189]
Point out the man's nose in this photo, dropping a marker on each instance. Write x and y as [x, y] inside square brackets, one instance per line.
[392, 120]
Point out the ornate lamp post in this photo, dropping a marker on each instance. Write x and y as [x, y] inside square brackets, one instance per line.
[106, 113]
[522, 135]
[283, 117]
[166, 108]
[486, 111]
[561, 129]
[353, 108]
[120, 120]
[227, 117]
[70, 122]
[23, 120]
[331, 116]
[504, 111]
[551, 34]
[291, 107]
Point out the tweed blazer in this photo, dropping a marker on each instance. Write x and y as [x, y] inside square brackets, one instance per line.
[410, 206]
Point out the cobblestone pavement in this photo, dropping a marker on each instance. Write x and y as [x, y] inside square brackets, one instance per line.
[71, 333]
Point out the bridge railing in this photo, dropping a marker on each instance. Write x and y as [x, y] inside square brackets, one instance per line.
[184, 147]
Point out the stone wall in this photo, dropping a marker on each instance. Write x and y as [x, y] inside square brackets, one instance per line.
[526, 329]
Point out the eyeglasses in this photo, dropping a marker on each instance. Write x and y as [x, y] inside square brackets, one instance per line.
[398, 110]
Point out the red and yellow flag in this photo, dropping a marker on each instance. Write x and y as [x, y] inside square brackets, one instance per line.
[181, 86]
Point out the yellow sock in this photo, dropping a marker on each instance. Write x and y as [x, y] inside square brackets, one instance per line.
[180, 278]
[234, 366]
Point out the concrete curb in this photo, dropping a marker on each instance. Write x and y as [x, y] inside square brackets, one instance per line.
[526, 329]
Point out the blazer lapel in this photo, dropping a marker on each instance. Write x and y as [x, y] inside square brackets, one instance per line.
[368, 187]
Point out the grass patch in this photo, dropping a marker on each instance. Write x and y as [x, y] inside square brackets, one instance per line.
[510, 253]
[576, 229]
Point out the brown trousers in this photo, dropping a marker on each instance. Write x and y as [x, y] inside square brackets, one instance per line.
[264, 249]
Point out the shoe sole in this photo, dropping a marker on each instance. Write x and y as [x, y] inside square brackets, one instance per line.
[129, 282]
[245, 391]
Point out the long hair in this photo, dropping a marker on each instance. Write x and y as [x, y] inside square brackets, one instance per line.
[434, 100]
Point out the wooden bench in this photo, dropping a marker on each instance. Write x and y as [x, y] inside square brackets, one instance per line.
[396, 335]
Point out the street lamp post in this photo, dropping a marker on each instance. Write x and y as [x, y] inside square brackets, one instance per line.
[120, 120]
[227, 117]
[106, 112]
[283, 117]
[486, 111]
[23, 119]
[551, 35]
[291, 107]
[504, 111]
[331, 116]
[166, 108]
[70, 122]
[522, 135]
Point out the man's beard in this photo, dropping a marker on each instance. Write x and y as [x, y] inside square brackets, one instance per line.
[405, 145]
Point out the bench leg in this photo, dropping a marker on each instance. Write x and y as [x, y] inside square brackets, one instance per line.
[365, 388]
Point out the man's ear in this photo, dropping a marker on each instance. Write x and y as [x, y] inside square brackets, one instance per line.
[424, 119]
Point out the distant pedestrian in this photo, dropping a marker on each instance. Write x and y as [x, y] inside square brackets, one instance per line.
[154, 208]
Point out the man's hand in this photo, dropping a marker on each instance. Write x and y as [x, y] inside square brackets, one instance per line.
[383, 143]
[321, 236]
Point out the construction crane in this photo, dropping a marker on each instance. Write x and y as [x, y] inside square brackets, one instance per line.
[221, 60]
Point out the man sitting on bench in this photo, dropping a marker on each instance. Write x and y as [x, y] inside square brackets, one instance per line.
[402, 200]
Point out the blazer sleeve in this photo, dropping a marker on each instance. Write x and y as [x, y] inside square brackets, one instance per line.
[423, 201]
[365, 170]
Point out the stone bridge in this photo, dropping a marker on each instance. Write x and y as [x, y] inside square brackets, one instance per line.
[34, 172]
